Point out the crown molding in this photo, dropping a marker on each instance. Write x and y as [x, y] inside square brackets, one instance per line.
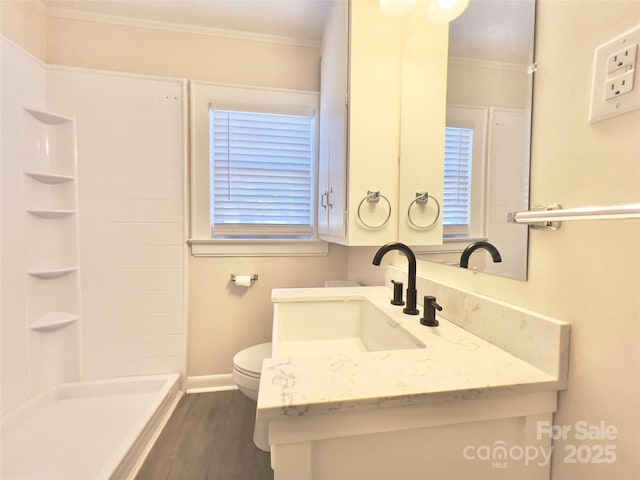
[177, 27]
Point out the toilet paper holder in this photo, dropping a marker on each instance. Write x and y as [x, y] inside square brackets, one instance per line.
[254, 277]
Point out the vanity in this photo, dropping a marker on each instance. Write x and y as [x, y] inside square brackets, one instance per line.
[383, 396]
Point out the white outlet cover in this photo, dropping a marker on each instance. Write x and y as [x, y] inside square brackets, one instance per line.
[601, 107]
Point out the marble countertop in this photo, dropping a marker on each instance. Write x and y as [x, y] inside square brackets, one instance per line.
[455, 365]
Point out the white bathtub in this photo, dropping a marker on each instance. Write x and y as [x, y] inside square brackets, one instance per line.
[87, 430]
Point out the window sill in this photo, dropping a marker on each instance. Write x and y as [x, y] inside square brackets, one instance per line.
[257, 248]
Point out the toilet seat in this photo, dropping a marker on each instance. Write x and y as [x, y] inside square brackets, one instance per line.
[249, 360]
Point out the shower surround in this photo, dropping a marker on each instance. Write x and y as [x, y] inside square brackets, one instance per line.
[93, 257]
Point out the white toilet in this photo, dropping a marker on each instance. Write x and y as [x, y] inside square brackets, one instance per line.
[246, 374]
[247, 364]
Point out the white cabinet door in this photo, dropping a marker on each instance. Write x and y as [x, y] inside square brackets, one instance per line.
[333, 123]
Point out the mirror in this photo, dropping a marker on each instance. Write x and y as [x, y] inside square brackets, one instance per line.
[489, 98]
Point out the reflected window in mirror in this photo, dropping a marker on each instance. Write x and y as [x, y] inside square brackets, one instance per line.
[464, 172]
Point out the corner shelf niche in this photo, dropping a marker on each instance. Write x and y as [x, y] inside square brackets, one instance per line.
[50, 178]
[53, 321]
[48, 145]
[48, 273]
[50, 198]
[51, 213]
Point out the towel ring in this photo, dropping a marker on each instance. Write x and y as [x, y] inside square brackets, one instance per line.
[374, 197]
[422, 198]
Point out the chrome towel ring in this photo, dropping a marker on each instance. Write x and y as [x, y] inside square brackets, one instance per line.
[374, 197]
[422, 198]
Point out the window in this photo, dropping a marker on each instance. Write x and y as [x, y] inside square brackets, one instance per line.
[253, 168]
[261, 174]
[458, 158]
[464, 171]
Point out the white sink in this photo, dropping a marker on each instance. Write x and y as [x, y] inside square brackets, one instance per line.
[328, 327]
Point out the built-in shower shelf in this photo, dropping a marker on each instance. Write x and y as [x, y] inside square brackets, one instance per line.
[52, 272]
[48, 118]
[53, 321]
[50, 178]
[51, 213]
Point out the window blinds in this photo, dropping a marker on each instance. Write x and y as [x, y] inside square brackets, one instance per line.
[457, 176]
[261, 174]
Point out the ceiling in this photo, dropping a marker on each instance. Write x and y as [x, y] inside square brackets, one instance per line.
[495, 30]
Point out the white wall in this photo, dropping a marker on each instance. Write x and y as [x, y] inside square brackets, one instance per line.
[132, 242]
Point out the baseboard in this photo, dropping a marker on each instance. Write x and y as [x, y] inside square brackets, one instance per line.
[210, 383]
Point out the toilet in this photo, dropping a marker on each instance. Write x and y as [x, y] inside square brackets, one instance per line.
[247, 364]
[246, 368]
[246, 375]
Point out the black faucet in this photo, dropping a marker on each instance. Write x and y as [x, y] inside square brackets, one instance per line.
[464, 258]
[412, 294]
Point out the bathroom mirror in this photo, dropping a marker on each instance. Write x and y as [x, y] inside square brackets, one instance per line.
[489, 99]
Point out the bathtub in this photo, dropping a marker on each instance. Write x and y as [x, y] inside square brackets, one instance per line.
[87, 430]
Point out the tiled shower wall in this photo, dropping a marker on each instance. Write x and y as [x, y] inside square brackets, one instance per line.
[23, 84]
[130, 139]
[132, 255]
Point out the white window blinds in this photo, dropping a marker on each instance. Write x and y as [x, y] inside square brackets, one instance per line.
[261, 174]
[457, 176]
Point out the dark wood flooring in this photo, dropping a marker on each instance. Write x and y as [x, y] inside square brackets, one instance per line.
[209, 436]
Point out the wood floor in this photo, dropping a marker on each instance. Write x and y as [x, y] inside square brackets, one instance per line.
[209, 436]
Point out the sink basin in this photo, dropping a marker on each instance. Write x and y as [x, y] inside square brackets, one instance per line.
[330, 327]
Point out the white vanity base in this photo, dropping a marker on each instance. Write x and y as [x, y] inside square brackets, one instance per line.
[487, 438]
[474, 403]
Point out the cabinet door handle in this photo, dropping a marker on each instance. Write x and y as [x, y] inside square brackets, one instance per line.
[329, 198]
[324, 197]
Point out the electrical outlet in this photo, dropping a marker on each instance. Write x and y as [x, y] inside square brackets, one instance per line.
[619, 85]
[615, 87]
[622, 61]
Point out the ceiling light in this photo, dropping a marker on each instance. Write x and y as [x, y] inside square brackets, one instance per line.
[444, 11]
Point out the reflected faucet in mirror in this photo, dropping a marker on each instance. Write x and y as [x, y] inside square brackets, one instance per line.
[412, 294]
[464, 258]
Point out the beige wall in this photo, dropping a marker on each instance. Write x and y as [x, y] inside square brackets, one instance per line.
[225, 318]
[586, 273]
[178, 54]
[151, 51]
[24, 23]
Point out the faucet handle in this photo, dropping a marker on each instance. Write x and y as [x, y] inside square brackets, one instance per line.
[397, 293]
[430, 307]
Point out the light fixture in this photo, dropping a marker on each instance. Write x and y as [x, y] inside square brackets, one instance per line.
[437, 11]
[444, 11]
